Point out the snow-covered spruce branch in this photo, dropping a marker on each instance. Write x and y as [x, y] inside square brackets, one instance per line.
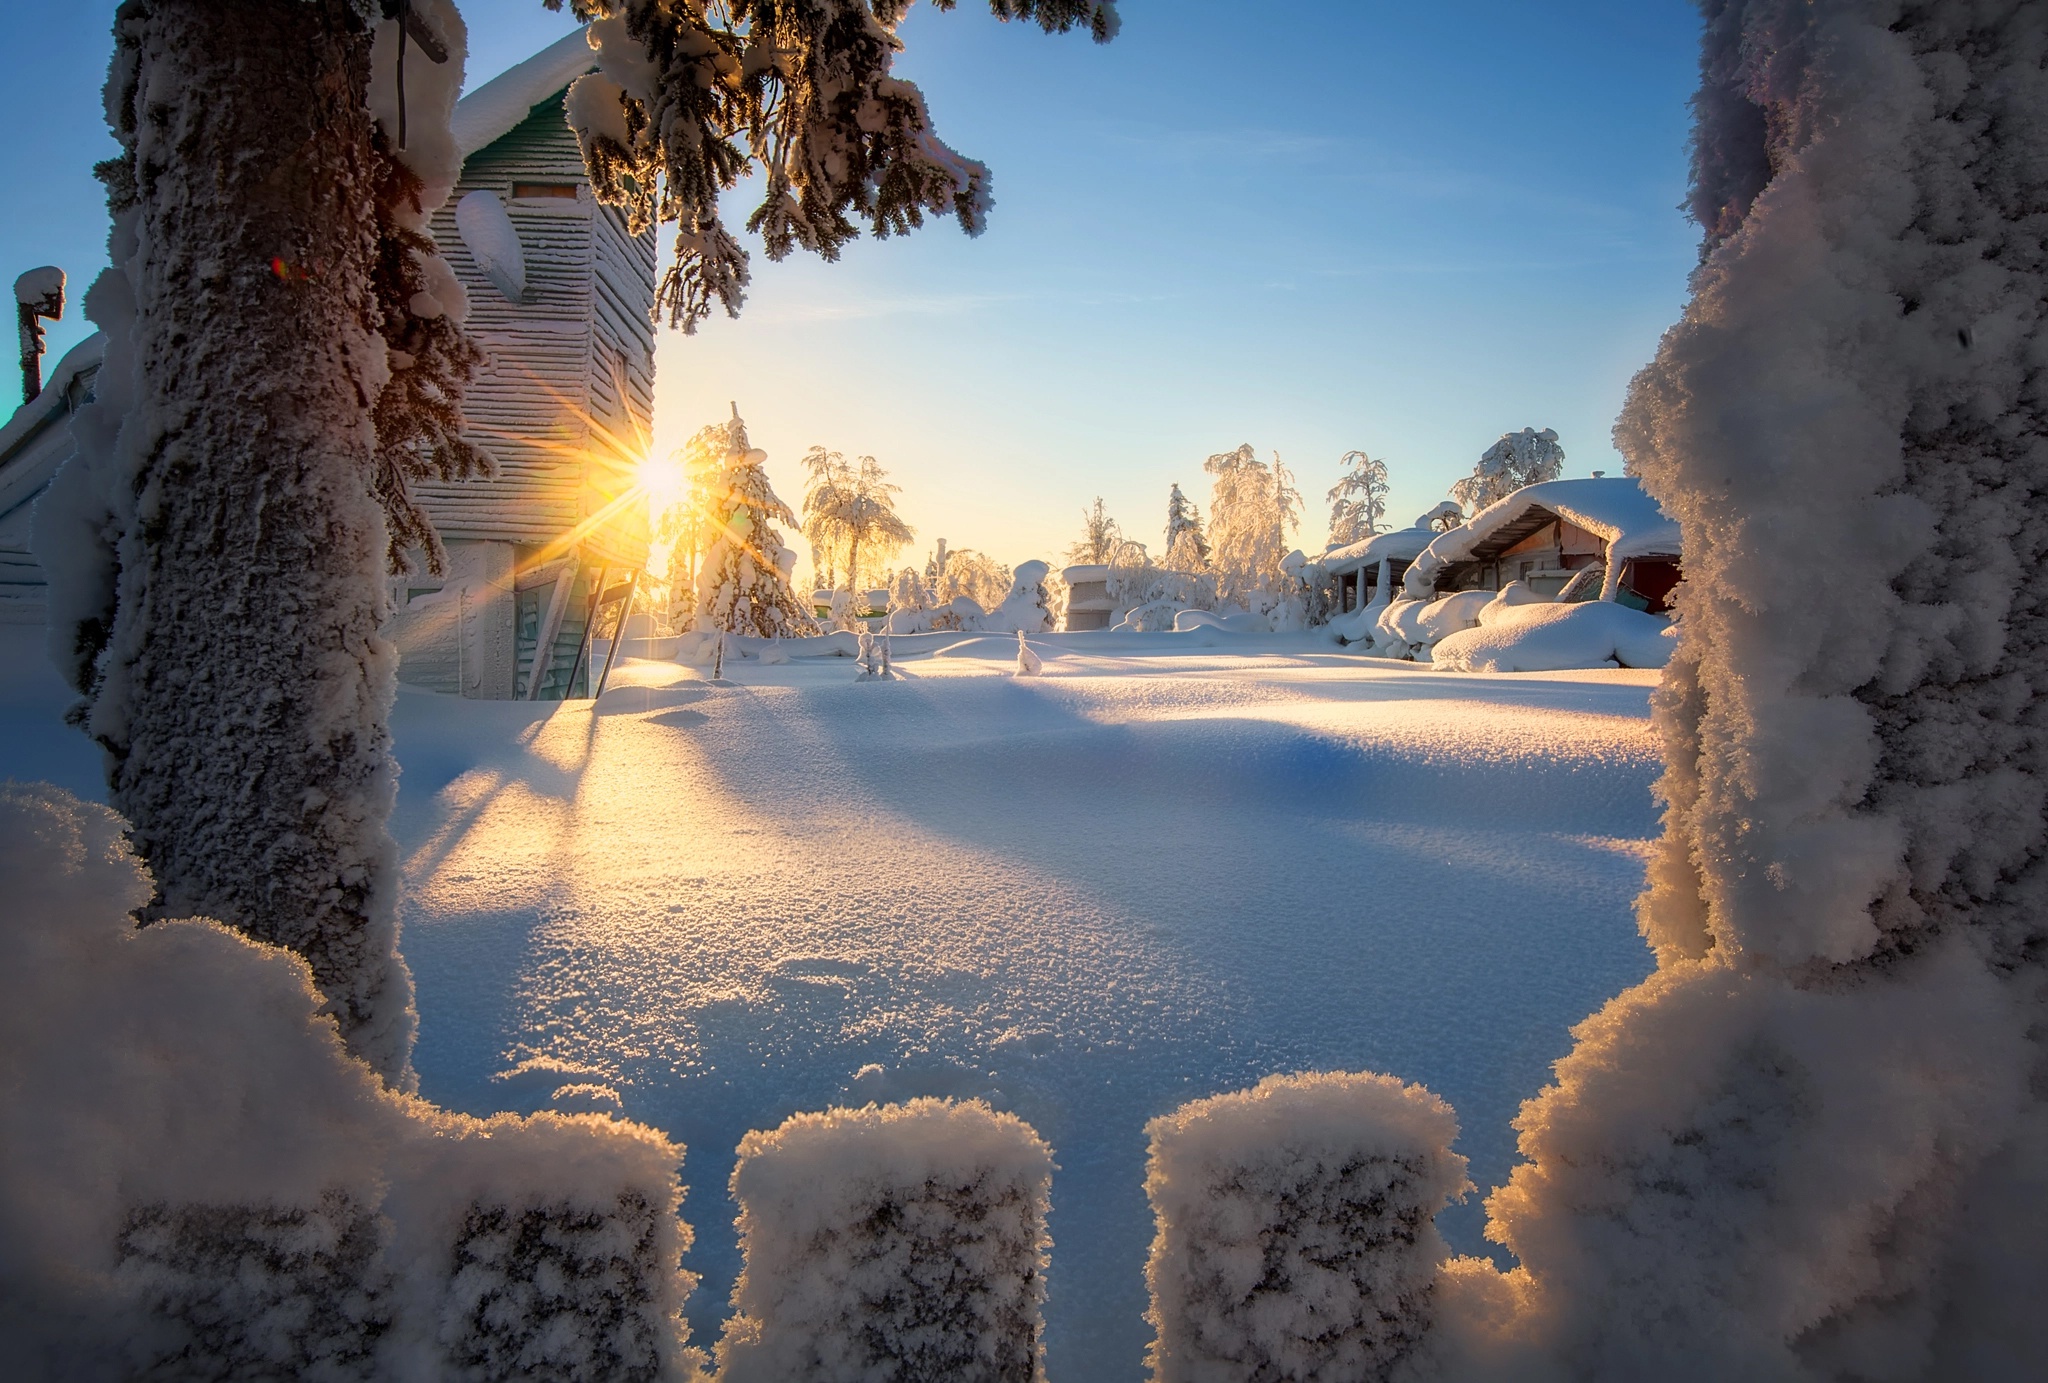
[689, 97]
[1296, 1229]
[198, 1182]
[906, 1241]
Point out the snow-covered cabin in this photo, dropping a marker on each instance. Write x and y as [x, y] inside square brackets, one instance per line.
[1371, 568]
[560, 296]
[33, 444]
[1544, 534]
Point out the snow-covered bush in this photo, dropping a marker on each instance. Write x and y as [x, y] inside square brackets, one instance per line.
[910, 604]
[1546, 636]
[196, 1180]
[1027, 609]
[901, 1242]
[1411, 628]
[1297, 1235]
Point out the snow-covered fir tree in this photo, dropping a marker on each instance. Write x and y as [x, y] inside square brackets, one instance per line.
[743, 584]
[1184, 521]
[1358, 501]
[272, 289]
[1517, 459]
[1252, 508]
[850, 518]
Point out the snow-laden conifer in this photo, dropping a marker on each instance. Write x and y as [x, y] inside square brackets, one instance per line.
[743, 580]
[900, 1242]
[1184, 531]
[1296, 1236]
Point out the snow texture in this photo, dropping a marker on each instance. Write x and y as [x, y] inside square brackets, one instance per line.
[1545, 636]
[894, 1243]
[188, 616]
[1613, 507]
[196, 1180]
[1296, 1229]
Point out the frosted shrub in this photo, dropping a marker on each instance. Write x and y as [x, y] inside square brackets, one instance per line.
[894, 1243]
[1296, 1238]
[196, 1180]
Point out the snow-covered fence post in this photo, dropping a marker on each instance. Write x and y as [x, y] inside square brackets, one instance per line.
[1296, 1237]
[901, 1242]
[198, 1182]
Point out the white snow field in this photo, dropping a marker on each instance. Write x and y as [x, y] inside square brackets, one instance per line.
[1169, 866]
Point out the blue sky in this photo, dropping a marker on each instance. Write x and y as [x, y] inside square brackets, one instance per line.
[1311, 227]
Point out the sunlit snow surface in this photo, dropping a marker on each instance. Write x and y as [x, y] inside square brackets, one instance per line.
[1086, 897]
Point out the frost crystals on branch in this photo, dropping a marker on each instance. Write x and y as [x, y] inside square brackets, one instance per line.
[1517, 459]
[1358, 502]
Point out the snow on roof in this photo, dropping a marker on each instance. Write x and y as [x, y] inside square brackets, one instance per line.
[1403, 545]
[30, 416]
[1086, 571]
[1613, 508]
[497, 107]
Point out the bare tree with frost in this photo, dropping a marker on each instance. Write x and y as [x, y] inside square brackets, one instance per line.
[1100, 538]
[1517, 459]
[284, 357]
[850, 515]
[1251, 510]
[1358, 502]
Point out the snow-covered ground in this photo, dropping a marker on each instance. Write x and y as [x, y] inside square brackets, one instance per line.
[1167, 868]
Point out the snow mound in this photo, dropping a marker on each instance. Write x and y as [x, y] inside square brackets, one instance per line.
[1238, 622]
[1296, 1227]
[905, 1241]
[1550, 637]
[42, 289]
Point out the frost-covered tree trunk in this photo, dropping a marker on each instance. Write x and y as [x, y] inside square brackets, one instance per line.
[1811, 1145]
[244, 690]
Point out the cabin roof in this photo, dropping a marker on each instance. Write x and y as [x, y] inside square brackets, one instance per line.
[25, 469]
[1403, 545]
[1613, 508]
[496, 108]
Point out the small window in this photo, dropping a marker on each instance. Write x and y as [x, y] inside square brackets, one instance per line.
[544, 189]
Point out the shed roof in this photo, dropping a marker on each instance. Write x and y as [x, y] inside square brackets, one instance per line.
[497, 107]
[1614, 508]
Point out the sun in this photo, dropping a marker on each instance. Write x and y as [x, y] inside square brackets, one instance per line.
[662, 478]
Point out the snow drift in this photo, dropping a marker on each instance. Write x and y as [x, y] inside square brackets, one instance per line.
[897, 1242]
[1296, 1236]
[1547, 637]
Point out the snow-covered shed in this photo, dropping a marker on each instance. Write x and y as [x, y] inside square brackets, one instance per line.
[1371, 568]
[33, 444]
[560, 297]
[1089, 604]
[1544, 534]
